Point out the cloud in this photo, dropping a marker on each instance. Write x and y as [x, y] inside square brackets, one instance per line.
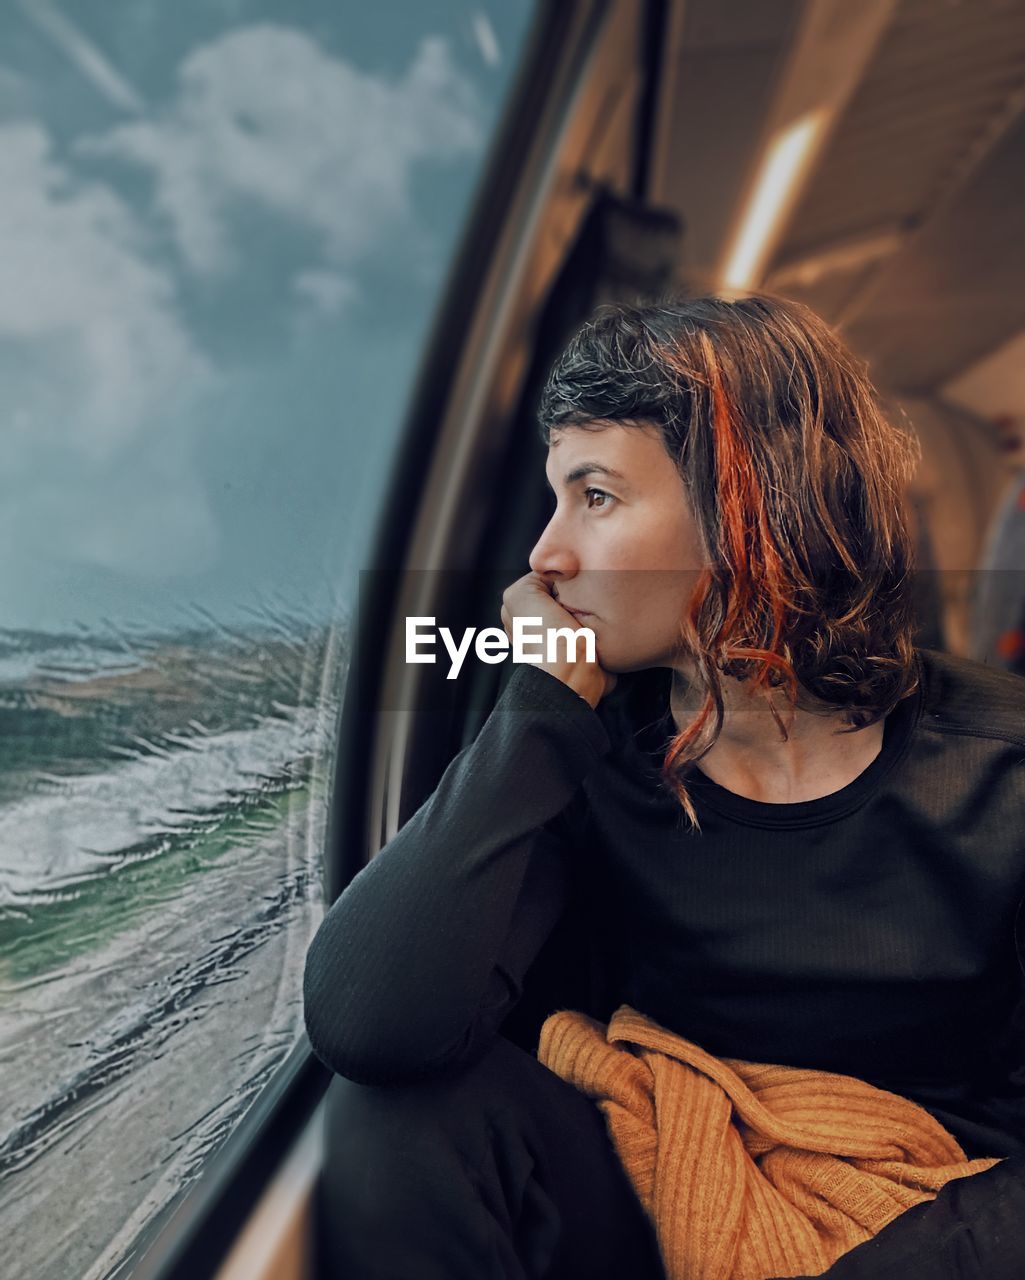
[75, 281]
[107, 389]
[264, 115]
[326, 291]
[487, 41]
[85, 56]
[93, 358]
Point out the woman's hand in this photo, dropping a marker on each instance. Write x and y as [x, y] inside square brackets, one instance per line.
[531, 597]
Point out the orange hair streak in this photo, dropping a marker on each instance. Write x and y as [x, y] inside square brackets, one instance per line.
[757, 577]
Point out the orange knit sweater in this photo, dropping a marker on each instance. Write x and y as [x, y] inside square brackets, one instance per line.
[746, 1170]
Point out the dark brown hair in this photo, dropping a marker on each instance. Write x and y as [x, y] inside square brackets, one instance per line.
[796, 481]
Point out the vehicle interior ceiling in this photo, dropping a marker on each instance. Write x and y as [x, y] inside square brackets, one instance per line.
[903, 125]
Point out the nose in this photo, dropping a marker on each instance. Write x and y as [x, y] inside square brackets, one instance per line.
[552, 556]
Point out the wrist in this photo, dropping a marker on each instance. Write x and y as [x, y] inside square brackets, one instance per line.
[584, 681]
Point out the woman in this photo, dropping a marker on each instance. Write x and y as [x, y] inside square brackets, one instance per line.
[794, 837]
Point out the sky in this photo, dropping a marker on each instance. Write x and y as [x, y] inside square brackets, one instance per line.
[224, 228]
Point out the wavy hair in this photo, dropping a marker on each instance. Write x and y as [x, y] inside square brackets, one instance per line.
[796, 481]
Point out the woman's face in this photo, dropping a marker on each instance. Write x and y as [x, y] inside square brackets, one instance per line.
[622, 545]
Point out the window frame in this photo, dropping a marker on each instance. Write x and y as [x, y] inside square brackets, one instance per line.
[194, 1234]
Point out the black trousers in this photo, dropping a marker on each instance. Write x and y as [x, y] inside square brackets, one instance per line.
[498, 1171]
[502, 1171]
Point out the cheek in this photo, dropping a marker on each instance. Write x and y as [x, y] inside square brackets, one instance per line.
[666, 540]
[646, 571]
[633, 549]
[642, 615]
[681, 546]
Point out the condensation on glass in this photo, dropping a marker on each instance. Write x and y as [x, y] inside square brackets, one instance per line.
[224, 228]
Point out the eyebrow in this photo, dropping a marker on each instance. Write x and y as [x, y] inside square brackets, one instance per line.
[587, 469]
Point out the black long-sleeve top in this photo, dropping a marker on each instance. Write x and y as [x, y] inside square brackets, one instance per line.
[874, 931]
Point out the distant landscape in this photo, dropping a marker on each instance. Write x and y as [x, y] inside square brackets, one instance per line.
[163, 803]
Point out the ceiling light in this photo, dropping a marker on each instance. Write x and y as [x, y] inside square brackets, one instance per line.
[785, 164]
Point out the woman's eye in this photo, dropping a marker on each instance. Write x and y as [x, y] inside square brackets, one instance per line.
[601, 494]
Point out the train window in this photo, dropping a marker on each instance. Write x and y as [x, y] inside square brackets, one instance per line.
[224, 229]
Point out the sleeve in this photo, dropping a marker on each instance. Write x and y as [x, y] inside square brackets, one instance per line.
[416, 964]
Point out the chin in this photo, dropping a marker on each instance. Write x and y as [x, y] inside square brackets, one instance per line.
[620, 658]
[621, 664]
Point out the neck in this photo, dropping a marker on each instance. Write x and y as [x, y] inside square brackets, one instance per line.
[750, 758]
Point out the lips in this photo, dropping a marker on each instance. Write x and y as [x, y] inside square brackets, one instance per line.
[577, 613]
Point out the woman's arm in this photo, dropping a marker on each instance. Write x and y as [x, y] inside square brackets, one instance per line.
[417, 963]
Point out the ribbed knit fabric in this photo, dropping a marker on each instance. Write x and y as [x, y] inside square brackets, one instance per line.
[748, 1170]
